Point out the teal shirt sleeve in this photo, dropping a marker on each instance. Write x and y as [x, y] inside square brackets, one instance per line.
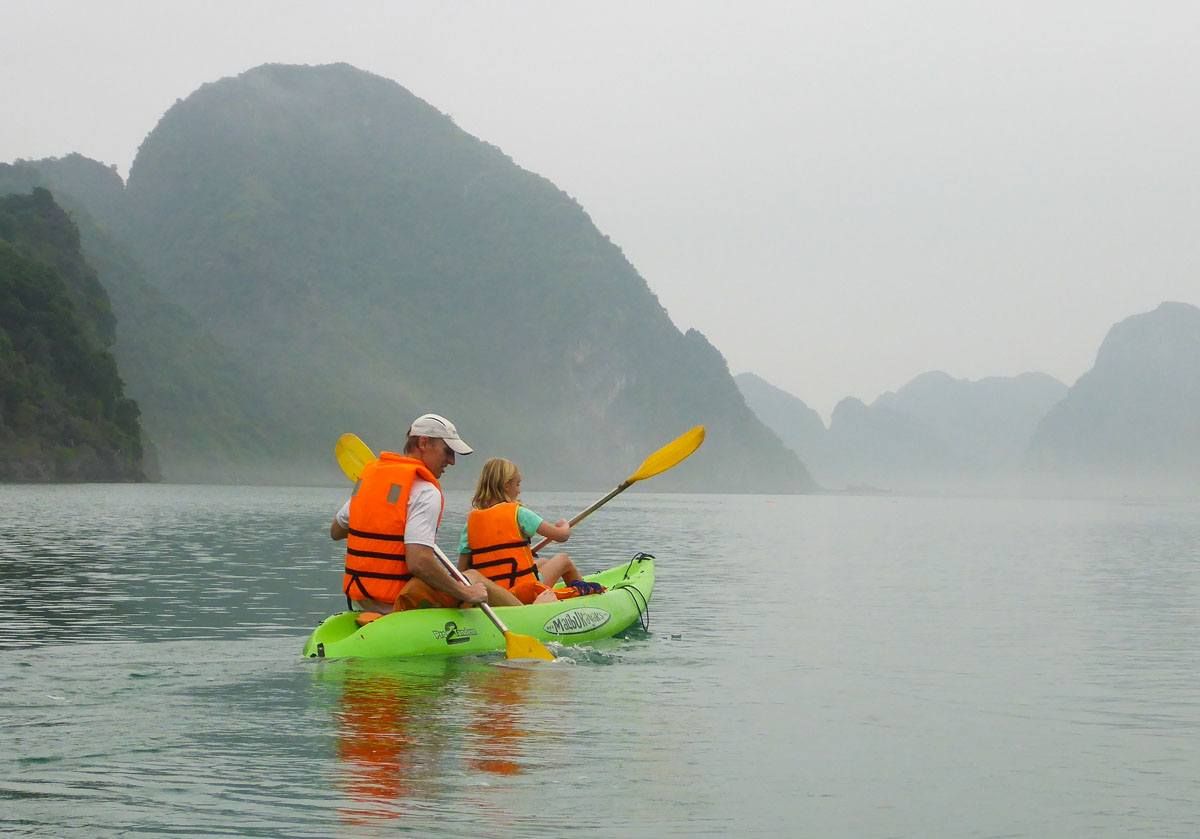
[528, 521]
[463, 544]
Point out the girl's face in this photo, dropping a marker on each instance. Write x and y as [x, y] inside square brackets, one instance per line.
[512, 488]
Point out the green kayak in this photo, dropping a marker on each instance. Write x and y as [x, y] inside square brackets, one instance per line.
[446, 632]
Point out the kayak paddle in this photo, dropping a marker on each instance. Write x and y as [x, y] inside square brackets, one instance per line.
[672, 454]
[352, 455]
[515, 646]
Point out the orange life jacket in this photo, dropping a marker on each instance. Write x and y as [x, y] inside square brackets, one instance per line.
[375, 564]
[498, 549]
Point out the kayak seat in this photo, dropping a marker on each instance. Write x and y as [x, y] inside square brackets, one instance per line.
[364, 618]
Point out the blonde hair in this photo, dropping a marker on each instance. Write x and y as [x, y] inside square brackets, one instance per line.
[490, 490]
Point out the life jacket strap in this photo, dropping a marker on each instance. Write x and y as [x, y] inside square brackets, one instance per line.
[512, 575]
[376, 575]
[383, 537]
[502, 547]
[353, 581]
[356, 580]
[375, 555]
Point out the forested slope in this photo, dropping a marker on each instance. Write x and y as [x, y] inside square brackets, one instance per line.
[63, 412]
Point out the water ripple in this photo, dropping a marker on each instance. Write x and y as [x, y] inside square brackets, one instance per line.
[826, 666]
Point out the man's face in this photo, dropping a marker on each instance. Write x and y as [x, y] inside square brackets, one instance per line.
[435, 454]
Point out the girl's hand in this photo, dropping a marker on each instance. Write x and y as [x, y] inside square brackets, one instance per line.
[564, 529]
[560, 531]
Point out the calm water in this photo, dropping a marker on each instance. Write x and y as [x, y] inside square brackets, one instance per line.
[815, 666]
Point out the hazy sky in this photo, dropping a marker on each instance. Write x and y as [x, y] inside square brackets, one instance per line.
[840, 195]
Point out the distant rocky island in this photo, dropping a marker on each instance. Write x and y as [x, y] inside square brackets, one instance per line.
[1131, 425]
[303, 251]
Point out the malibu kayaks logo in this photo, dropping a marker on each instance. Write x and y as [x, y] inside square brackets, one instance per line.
[451, 633]
[577, 621]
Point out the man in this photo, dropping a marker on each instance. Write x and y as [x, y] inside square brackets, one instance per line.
[391, 521]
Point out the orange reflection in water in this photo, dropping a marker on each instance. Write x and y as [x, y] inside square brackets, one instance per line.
[391, 732]
[374, 739]
[499, 719]
[402, 727]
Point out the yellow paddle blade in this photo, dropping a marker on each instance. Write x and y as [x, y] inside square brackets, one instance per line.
[524, 646]
[352, 455]
[669, 455]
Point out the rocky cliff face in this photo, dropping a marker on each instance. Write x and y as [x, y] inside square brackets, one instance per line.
[364, 260]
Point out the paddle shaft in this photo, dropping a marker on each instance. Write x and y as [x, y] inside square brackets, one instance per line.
[452, 569]
[660, 461]
[583, 515]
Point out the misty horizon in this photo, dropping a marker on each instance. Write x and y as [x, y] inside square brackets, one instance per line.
[979, 191]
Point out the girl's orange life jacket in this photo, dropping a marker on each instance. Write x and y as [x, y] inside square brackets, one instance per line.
[498, 549]
[375, 564]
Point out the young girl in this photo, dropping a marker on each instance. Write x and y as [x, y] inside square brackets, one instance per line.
[495, 541]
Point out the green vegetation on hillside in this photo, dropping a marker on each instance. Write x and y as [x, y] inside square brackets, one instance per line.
[199, 415]
[63, 413]
[363, 259]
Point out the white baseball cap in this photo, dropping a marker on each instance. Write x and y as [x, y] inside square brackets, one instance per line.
[434, 425]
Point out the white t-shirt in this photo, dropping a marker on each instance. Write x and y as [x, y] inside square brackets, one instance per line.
[424, 506]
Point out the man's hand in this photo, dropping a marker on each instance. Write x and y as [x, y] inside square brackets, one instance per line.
[338, 531]
[475, 593]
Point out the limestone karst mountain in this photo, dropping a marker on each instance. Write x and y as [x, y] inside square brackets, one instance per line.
[935, 434]
[360, 259]
[1131, 424]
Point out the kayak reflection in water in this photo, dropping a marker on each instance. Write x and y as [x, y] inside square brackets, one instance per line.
[498, 719]
[390, 737]
[403, 728]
